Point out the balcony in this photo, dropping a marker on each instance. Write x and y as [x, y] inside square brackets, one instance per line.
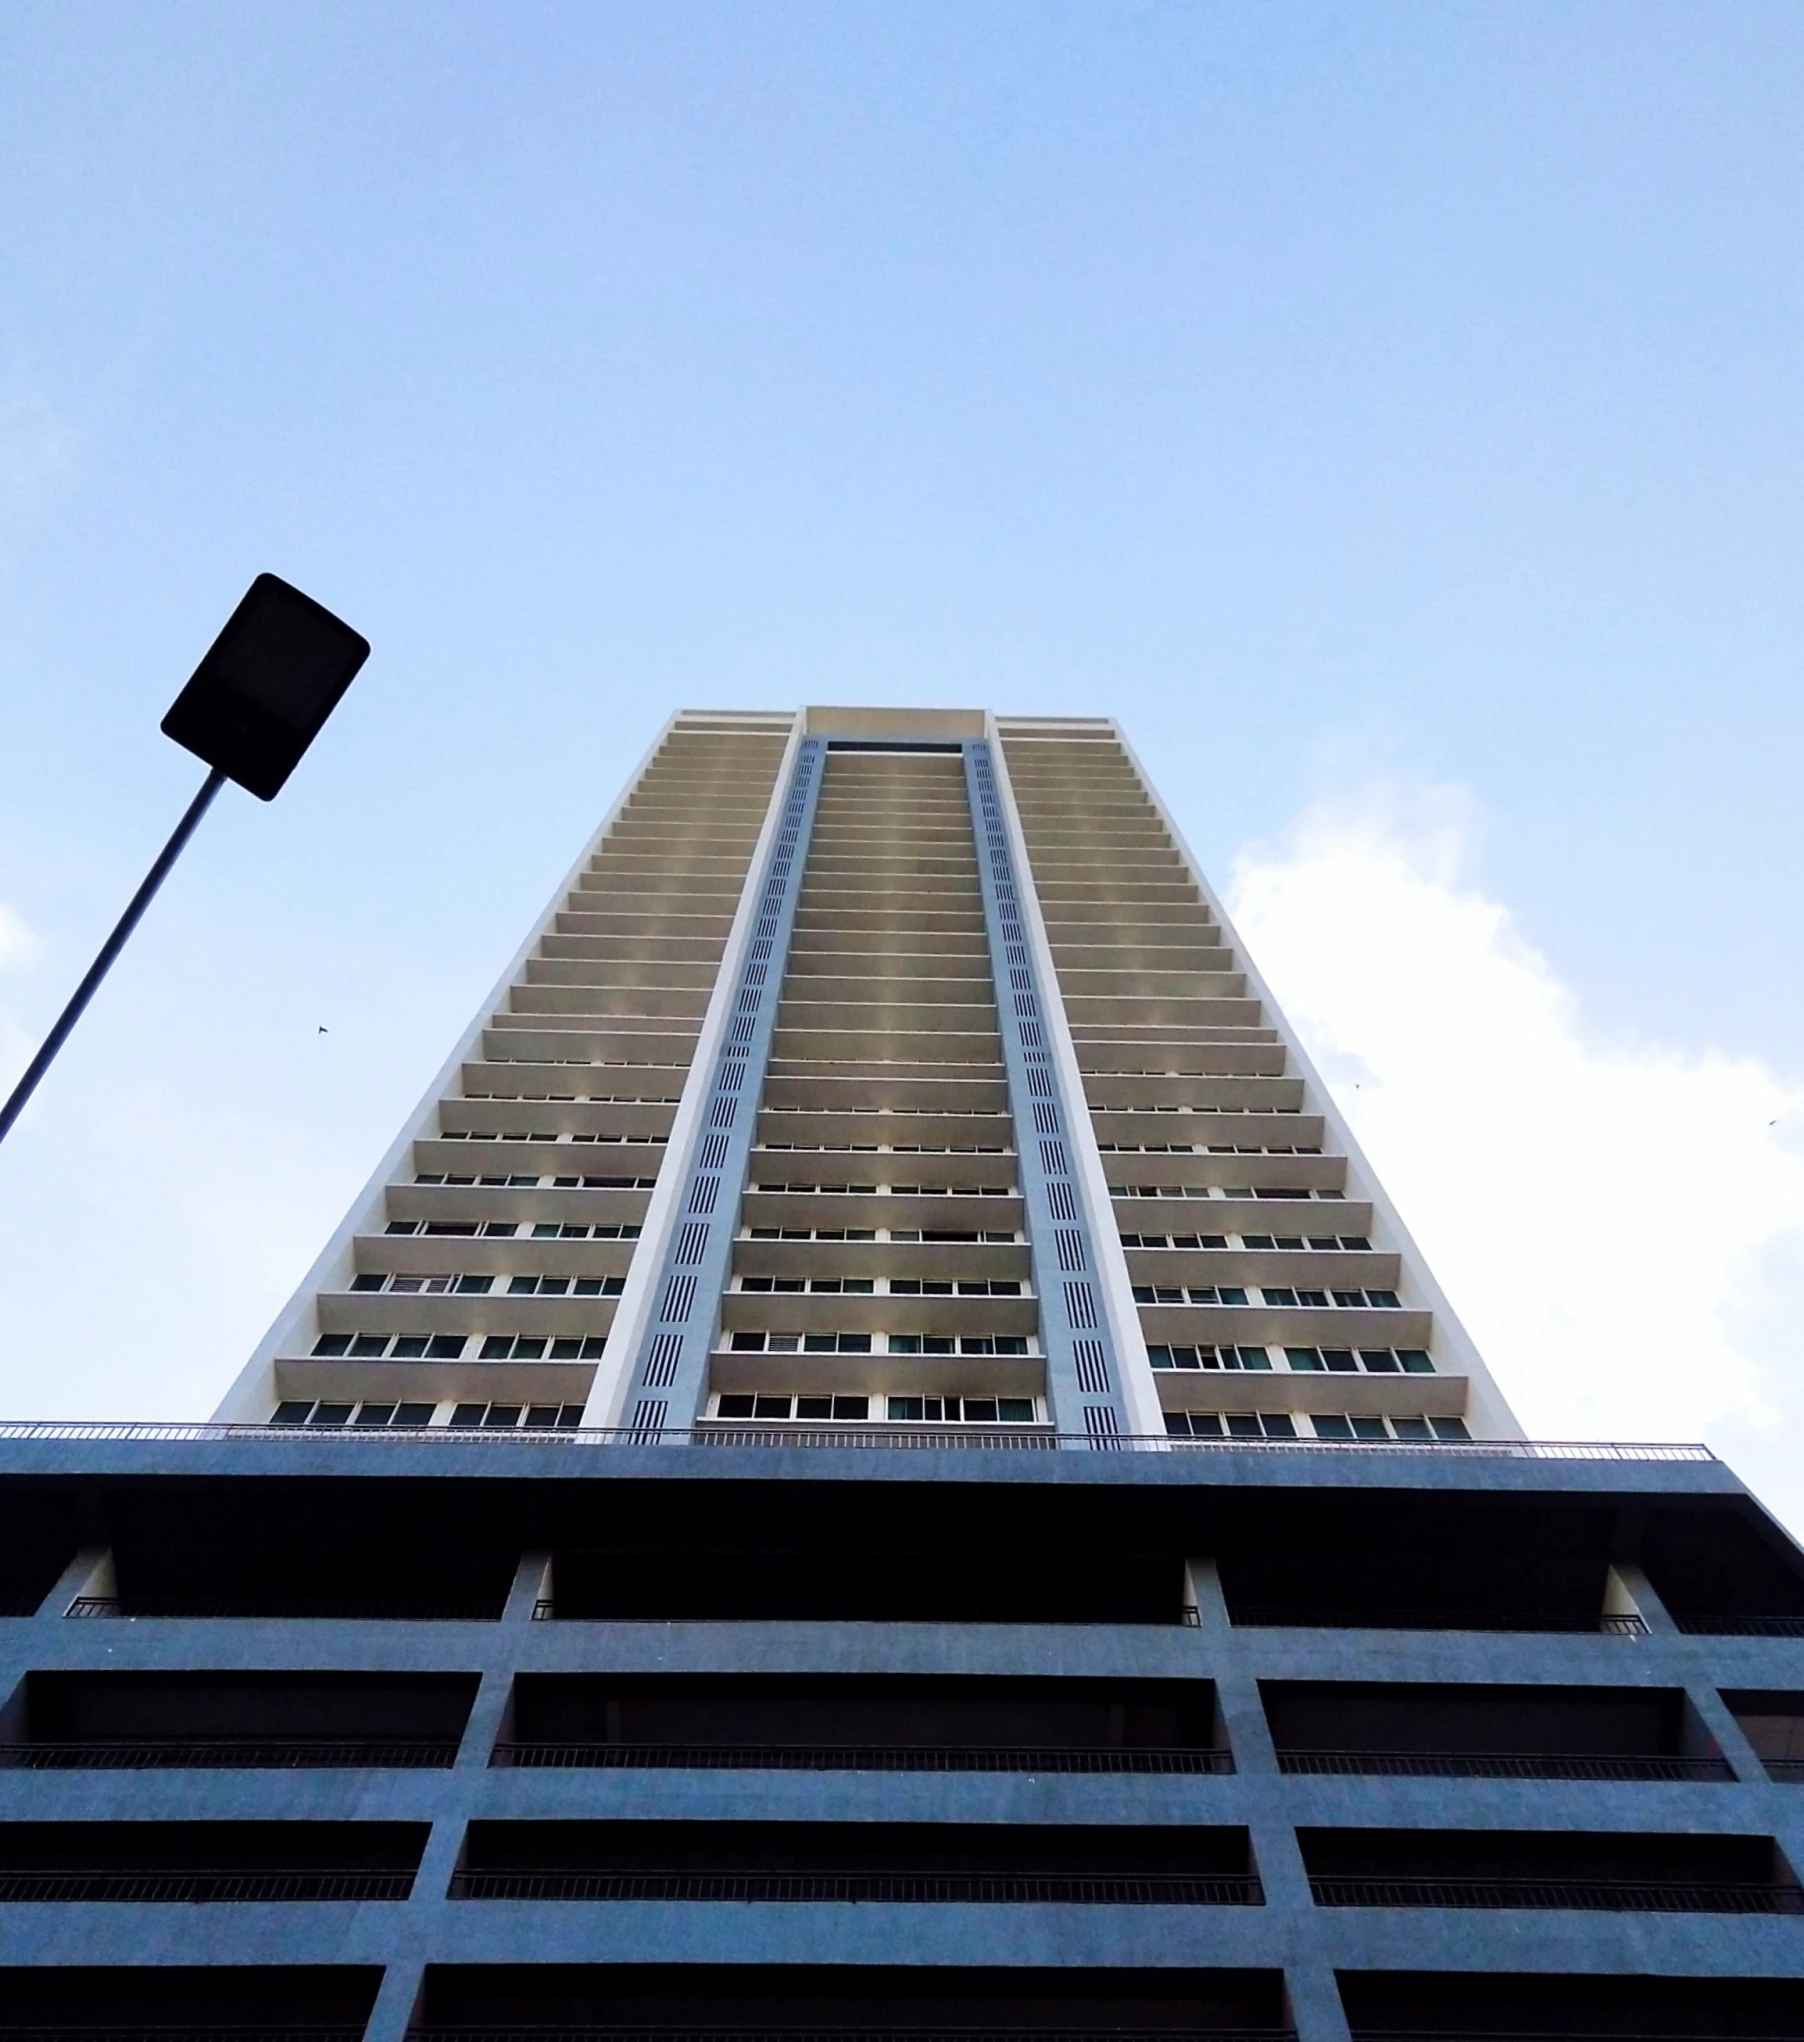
[196, 1862]
[1418, 1730]
[1618, 1873]
[865, 1723]
[105, 1721]
[906, 1862]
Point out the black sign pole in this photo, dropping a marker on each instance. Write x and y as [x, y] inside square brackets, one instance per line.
[250, 710]
[109, 950]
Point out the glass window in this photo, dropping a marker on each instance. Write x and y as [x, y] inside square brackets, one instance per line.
[1304, 1360]
[291, 1411]
[374, 1414]
[332, 1343]
[1415, 1361]
[413, 1414]
[330, 1414]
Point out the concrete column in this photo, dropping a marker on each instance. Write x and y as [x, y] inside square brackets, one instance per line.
[1628, 1592]
[396, 1999]
[1315, 2005]
[91, 1572]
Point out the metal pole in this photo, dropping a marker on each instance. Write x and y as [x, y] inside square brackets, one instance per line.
[109, 950]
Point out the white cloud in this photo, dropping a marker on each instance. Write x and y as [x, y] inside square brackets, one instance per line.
[1618, 1222]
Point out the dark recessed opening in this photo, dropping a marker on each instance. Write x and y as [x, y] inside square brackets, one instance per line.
[95, 1720]
[1624, 2009]
[208, 1861]
[1630, 1872]
[894, 1722]
[135, 2003]
[1487, 1732]
[1168, 1865]
[916, 2001]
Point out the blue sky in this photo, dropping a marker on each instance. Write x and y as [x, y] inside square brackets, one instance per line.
[1393, 414]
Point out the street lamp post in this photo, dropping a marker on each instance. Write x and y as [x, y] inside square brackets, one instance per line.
[252, 707]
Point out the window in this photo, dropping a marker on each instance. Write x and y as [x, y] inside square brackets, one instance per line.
[1230, 1425]
[800, 1343]
[944, 1343]
[494, 1230]
[565, 1286]
[829, 1286]
[429, 1285]
[513, 1417]
[1346, 1361]
[936, 1287]
[1416, 1431]
[298, 1411]
[1176, 1357]
[537, 1347]
[1319, 1243]
[1174, 1240]
[949, 1235]
[591, 1183]
[1196, 1294]
[768, 1406]
[962, 1411]
[403, 1347]
[810, 1233]
[554, 1230]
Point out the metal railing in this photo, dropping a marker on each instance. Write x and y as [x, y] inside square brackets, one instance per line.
[1227, 1889]
[1788, 1770]
[150, 1753]
[347, 1609]
[127, 2030]
[1741, 1627]
[182, 1431]
[232, 1884]
[869, 1758]
[1286, 1617]
[1506, 1765]
[1628, 1896]
[1004, 2030]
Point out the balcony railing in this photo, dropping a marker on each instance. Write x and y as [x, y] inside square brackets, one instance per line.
[152, 2029]
[1221, 1889]
[869, 1758]
[232, 1884]
[1506, 1765]
[872, 1435]
[1284, 1617]
[1004, 2030]
[1628, 1896]
[153, 1753]
[1742, 1627]
[349, 1609]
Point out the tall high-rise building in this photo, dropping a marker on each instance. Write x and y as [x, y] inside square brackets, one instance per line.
[875, 1462]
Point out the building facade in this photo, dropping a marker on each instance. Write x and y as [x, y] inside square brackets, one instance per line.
[874, 1460]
